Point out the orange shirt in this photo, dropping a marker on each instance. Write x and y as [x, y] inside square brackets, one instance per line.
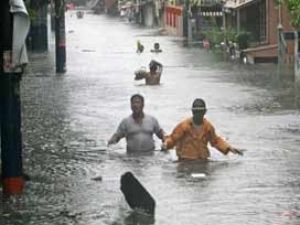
[191, 141]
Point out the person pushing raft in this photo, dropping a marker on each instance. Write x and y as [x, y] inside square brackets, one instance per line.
[153, 76]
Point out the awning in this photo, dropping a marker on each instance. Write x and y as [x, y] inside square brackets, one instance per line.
[234, 4]
[211, 14]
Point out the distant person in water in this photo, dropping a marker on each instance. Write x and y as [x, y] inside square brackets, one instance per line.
[138, 128]
[79, 14]
[140, 47]
[156, 48]
[153, 76]
[206, 44]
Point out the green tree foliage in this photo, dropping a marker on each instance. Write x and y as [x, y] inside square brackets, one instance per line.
[32, 12]
[215, 35]
[77, 2]
[294, 10]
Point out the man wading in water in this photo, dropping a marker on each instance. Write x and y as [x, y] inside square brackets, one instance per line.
[191, 136]
[153, 76]
[138, 128]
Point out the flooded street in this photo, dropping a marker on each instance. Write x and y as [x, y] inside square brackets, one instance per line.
[68, 118]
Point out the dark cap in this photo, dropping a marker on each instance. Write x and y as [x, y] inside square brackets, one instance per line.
[199, 104]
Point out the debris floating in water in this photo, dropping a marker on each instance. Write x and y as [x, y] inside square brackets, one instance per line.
[99, 178]
[198, 175]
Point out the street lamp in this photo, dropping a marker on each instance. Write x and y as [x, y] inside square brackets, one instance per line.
[186, 7]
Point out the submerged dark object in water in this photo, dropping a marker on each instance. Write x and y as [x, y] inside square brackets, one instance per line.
[137, 197]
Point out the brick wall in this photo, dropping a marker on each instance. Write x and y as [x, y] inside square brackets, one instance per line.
[173, 20]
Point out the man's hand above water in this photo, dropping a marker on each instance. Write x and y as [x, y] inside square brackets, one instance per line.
[236, 151]
[163, 147]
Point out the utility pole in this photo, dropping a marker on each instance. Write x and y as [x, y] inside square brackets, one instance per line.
[279, 50]
[38, 29]
[186, 18]
[60, 36]
[14, 23]
[280, 44]
[297, 68]
[297, 57]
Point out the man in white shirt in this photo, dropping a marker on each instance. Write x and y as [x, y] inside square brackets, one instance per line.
[138, 128]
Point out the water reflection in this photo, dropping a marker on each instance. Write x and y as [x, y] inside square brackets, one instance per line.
[187, 167]
[135, 218]
[283, 88]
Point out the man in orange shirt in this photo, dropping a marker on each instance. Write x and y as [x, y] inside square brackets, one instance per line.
[191, 136]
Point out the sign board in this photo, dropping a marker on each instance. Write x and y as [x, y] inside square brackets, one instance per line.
[290, 35]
